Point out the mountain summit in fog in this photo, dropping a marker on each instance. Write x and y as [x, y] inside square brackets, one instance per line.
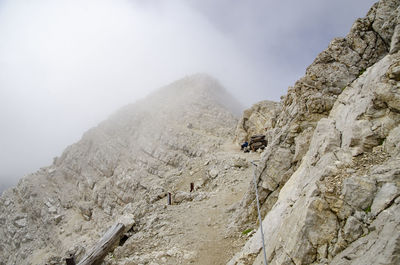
[130, 160]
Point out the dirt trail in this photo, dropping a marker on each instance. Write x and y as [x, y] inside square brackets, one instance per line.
[205, 222]
[197, 231]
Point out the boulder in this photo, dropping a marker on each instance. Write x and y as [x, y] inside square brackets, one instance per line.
[352, 230]
[359, 192]
[20, 221]
[386, 195]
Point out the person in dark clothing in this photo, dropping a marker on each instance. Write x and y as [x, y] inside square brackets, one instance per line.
[244, 145]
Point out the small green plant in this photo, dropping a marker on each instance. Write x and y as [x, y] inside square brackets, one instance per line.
[245, 232]
[368, 209]
[361, 72]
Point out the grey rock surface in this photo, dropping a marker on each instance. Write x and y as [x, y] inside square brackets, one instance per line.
[313, 96]
[343, 145]
[257, 120]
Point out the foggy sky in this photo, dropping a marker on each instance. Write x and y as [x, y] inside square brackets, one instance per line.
[66, 65]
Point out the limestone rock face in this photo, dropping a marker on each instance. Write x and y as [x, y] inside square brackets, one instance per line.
[342, 201]
[256, 120]
[115, 172]
[337, 202]
[314, 95]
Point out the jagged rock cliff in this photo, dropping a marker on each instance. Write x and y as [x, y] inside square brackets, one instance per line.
[329, 178]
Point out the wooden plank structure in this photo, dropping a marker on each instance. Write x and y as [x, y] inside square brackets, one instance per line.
[70, 260]
[257, 142]
[105, 245]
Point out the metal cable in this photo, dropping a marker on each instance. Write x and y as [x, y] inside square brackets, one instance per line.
[258, 210]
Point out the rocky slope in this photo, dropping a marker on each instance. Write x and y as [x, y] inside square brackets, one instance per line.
[329, 178]
[121, 171]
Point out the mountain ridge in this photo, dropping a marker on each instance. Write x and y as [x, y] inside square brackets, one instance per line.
[131, 150]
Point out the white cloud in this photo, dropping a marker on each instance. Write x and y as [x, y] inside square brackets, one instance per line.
[66, 65]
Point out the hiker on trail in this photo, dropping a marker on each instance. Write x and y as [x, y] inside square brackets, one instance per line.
[244, 145]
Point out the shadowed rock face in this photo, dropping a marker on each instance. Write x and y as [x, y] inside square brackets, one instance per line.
[128, 160]
[329, 177]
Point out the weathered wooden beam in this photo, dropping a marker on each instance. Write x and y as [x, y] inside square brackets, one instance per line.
[70, 260]
[105, 245]
[257, 137]
[169, 198]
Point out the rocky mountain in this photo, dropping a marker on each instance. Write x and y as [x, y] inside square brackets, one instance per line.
[120, 170]
[328, 179]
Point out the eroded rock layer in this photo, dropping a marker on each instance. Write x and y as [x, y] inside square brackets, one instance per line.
[329, 178]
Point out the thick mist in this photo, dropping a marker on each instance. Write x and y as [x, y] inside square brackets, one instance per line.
[67, 65]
